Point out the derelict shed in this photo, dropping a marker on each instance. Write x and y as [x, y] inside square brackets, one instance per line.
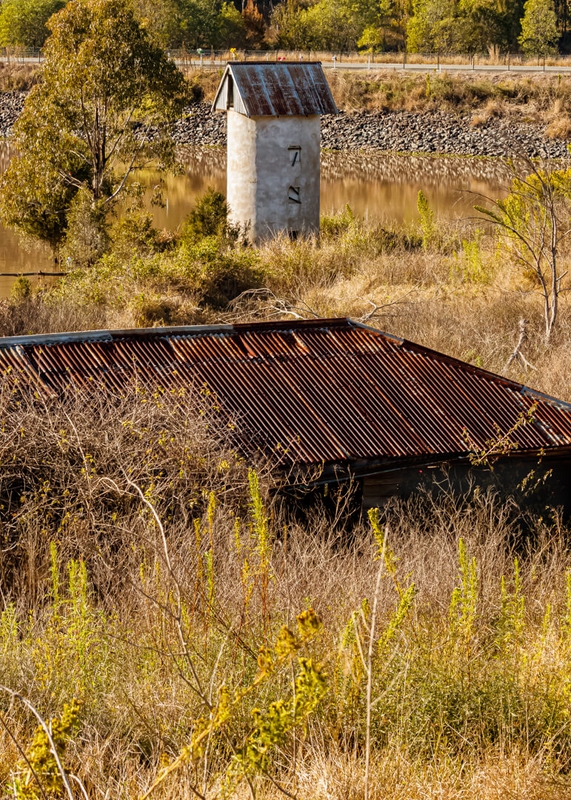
[273, 172]
[335, 394]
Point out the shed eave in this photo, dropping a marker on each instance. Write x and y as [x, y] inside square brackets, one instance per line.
[214, 106]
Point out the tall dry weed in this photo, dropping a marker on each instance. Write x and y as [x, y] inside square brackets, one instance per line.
[468, 657]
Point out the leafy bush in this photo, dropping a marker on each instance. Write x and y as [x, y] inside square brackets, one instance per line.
[207, 218]
[219, 275]
[135, 234]
[87, 237]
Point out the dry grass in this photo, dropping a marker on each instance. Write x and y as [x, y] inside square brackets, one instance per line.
[500, 776]
[531, 97]
[206, 82]
[478, 710]
[440, 728]
[18, 77]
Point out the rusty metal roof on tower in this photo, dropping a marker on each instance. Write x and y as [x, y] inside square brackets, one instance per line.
[322, 390]
[280, 89]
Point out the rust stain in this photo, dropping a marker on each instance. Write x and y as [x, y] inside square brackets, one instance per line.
[328, 390]
[279, 89]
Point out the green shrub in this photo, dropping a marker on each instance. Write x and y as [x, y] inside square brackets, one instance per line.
[87, 235]
[426, 220]
[135, 234]
[335, 224]
[21, 289]
[207, 218]
[218, 275]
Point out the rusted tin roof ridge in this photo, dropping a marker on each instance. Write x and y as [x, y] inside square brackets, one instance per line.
[321, 390]
[275, 89]
[109, 335]
[264, 63]
[182, 330]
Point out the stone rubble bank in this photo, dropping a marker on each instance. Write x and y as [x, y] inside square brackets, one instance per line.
[432, 132]
[402, 131]
[11, 103]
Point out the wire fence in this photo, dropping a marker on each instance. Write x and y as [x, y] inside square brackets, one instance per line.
[403, 60]
[214, 59]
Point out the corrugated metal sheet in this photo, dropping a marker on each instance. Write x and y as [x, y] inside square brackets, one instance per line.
[281, 89]
[324, 390]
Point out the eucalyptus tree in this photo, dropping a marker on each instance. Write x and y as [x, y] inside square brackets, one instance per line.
[534, 222]
[539, 32]
[105, 108]
[23, 22]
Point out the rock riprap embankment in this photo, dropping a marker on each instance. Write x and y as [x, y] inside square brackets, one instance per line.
[11, 103]
[438, 132]
[401, 131]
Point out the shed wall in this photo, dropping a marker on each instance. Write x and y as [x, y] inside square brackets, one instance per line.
[532, 481]
[274, 174]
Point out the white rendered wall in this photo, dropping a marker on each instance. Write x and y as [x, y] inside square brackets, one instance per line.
[273, 174]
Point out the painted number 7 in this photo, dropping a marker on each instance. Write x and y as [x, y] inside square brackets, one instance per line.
[295, 155]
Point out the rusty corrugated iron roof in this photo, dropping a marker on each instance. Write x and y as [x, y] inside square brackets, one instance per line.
[280, 89]
[322, 390]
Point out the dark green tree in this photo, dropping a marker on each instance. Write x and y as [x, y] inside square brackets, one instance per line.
[510, 13]
[160, 19]
[104, 109]
[199, 22]
[464, 26]
[207, 218]
[539, 34]
[23, 22]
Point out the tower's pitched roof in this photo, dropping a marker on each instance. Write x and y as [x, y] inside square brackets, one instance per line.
[321, 390]
[275, 89]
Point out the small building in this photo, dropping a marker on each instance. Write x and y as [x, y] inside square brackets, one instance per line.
[335, 399]
[274, 137]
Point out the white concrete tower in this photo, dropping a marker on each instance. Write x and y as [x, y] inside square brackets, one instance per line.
[274, 145]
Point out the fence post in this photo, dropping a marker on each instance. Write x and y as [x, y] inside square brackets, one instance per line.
[404, 60]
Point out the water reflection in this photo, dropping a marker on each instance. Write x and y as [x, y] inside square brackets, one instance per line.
[17, 255]
[376, 186]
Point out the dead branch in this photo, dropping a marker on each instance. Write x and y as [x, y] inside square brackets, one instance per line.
[38, 274]
[276, 306]
[517, 354]
[374, 312]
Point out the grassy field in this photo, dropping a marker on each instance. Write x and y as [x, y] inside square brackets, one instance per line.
[188, 634]
[538, 98]
[147, 575]
[147, 578]
[535, 98]
[544, 99]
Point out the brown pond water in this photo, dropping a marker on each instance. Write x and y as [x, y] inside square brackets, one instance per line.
[375, 186]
